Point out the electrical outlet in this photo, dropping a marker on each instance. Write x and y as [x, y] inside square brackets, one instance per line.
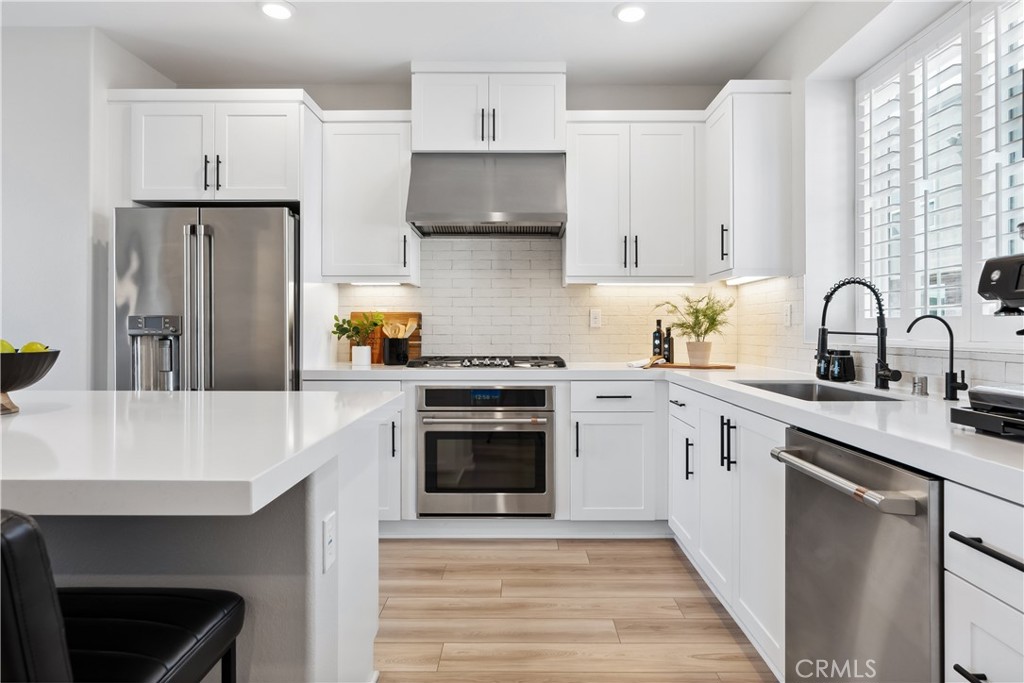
[330, 537]
[595, 317]
[787, 314]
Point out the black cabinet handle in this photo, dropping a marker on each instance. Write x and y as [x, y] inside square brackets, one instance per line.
[721, 441]
[405, 251]
[968, 676]
[577, 439]
[729, 462]
[614, 396]
[218, 172]
[636, 251]
[625, 252]
[688, 471]
[723, 231]
[393, 446]
[979, 545]
[677, 403]
[206, 171]
[494, 125]
[483, 125]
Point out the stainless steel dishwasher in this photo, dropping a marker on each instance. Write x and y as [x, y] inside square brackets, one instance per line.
[863, 566]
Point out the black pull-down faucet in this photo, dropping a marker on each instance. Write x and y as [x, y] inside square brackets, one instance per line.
[952, 385]
[883, 373]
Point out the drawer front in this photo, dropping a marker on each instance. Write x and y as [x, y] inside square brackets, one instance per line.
[681, 405]
[984, 637]
[613, 397]
[1000, 526]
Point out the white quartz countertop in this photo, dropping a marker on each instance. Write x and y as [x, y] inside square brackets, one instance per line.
[180, 453]
[915, 431]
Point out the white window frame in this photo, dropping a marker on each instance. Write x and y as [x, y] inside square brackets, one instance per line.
[972, 329]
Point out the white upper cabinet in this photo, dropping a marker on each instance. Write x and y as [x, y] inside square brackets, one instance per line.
[474, 112]
[225, 151]
[366, 186]
[632, 201]
[749, 188]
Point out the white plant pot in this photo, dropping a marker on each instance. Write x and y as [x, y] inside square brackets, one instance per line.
[361, 356]
[699, 353]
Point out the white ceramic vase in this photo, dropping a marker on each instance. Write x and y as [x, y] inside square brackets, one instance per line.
[361, 356]
[699, 353]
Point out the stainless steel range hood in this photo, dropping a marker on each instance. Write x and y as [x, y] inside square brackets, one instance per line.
[487, 195]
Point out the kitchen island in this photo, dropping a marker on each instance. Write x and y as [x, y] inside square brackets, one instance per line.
[228, 490]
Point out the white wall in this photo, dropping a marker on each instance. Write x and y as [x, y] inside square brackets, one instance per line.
[55, 210]
[616, 97]
[504, 296]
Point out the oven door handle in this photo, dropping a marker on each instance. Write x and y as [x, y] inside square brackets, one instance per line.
[485, 420]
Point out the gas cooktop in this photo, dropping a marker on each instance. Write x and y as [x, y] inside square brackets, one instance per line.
[487, 362]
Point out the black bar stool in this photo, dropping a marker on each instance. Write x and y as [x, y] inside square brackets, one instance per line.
[156, 635]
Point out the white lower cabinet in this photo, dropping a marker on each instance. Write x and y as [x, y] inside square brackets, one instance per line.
[389, 442]
[984, 636]
[683, 483]
[612, 466]
[739, 518]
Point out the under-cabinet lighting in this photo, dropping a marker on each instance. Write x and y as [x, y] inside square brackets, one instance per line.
[644, 284]
[375, 284]
[747, 279]
[629, 13]
[278, 9]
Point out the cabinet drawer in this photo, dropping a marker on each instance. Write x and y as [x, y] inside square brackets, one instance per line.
[681, 406]
[1000, 526]
[984, 637]
[617, 397]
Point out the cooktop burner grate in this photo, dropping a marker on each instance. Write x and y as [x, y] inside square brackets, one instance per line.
[487, 362]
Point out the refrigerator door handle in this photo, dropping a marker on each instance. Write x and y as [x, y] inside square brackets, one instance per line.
[204, 306]
[188, 341]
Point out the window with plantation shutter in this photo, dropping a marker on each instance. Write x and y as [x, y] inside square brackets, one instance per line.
[939, 168]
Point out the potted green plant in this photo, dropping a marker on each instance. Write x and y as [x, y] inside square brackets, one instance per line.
[699, 317]
[358, 333]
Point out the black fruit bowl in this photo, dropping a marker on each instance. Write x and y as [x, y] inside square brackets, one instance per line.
[20, 370]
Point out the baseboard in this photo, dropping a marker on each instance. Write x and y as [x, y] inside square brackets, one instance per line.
[521, 528]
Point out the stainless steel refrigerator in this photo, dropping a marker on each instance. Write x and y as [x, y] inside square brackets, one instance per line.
[206, 298]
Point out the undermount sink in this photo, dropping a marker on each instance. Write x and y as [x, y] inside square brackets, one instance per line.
[814, 391]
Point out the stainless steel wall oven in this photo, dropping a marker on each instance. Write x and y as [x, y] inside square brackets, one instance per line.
[485, 451]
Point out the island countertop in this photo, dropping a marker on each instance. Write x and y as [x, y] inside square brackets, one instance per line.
[175, 453]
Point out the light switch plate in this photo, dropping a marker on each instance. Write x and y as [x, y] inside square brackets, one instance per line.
[330, 536]
[787, 314]
[595, 317]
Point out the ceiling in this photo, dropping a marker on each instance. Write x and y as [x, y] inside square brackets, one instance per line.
[210, 44]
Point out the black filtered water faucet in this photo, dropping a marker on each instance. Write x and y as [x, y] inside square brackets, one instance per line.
[883, 373]
[952, 384]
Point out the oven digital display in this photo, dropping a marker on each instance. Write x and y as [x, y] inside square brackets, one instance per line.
[484, 397]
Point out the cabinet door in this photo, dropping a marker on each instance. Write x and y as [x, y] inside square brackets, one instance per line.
[366, 184]
[450, 113]
[390, 480]
[662, 199]
[718, 237]
[717, 482]
[983, 635]
[759, 600]
[257, 155]
[597, 183]
[527, 112]
[683, 488]
[172, 155]
[612, 471]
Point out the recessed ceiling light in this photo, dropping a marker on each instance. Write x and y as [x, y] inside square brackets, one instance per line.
[278, 10]
[629, 13]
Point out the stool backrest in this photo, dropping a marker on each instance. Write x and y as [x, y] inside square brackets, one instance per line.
[31, 627]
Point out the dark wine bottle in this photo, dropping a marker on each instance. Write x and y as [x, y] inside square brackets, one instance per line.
[656, 349]
[667, 345]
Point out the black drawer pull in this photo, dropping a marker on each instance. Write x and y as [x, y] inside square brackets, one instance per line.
[968, 676]
[677, 403]
[614, 396]
[979, 545]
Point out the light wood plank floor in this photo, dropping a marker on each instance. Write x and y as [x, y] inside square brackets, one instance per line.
[553, 611]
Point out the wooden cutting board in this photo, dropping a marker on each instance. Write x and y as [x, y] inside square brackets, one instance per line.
[377, 338]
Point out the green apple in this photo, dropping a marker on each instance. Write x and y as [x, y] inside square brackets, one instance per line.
[34, 347]
[6, 346]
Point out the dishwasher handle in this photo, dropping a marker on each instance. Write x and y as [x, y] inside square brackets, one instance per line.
[888, 502]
